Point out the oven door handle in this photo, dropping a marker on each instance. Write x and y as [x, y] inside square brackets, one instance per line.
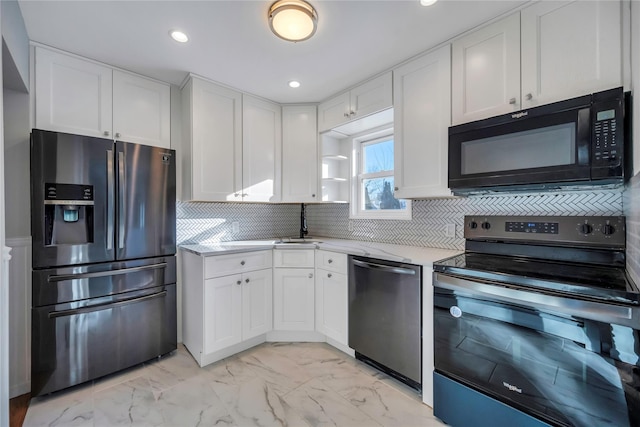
[64, 277]
[104, 306]
[538, 299]
[389, 268]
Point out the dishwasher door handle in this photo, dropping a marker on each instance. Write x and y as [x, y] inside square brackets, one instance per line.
[389, 268]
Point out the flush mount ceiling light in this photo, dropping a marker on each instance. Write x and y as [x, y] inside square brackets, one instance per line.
[294, 84]
[293, 20]
[427, 2]
[179, 36]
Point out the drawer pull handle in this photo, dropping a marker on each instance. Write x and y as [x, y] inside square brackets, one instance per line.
[330, 261]
[246, 280]
[238, 282]
[329, 275]
[310, 275]
[242, 263]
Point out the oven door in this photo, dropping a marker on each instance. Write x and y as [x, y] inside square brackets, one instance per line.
[548, 362]
[537, 149]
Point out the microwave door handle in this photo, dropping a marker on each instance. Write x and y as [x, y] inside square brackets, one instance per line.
[121, 198]
[110, 199]
[583, 136]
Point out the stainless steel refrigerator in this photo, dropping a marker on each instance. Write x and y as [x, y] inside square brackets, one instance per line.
[104, 272]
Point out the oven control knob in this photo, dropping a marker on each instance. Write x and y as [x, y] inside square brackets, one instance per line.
[608, 229]
[473, 225]
[485, 225]
[586, 229]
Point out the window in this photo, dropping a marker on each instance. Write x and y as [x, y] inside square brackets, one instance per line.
[373, 183]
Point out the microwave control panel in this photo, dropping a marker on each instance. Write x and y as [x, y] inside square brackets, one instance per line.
[605, 133]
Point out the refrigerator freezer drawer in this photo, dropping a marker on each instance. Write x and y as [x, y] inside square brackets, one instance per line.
[74, 344]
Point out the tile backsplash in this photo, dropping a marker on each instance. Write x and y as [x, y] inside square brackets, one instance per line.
[212, 222]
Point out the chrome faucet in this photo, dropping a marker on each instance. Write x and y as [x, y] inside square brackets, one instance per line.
[303, 222]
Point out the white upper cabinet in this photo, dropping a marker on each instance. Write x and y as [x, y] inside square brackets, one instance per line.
[141, 110]
[299, 154]
[261, 150]
[569, 49]
[422, 105]
[367, 98]
[212, 142]
[548, 52]
[82, 97]
[72, 95]
[486, 71]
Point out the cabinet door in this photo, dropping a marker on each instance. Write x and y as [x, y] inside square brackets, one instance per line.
[216, 142]
[293, 258]
[334, 112]
[257, 306]
[261, 150]
[422, 108]
[141, 110]
[569, 49]
[293, 299]
[222, 312]
[371, 97]
[72, 95]
[299, 154]
[332, 295]
[486, 71]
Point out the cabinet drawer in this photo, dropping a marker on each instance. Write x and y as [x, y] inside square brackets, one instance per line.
[222, 265]
[302, 258]
[331, 261]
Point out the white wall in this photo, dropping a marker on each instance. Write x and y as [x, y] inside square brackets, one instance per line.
[16, 155]
[16, 39]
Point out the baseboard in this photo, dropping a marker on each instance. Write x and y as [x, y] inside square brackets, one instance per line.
[343, 348]
[295, 336]
[207, 359]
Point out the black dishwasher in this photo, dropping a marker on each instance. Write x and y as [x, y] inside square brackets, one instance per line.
[385, 316]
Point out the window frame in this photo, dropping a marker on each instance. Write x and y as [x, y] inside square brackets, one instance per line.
[357, 177]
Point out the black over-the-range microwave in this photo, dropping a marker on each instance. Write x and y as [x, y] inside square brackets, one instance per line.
[576, 142]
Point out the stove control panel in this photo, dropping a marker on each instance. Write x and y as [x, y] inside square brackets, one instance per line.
[606, 231]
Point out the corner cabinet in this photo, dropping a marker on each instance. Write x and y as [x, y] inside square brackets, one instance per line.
[226, 301]
[422, 106]
[293, 289]
[79, 96]
[532, 58]
[367, 98]
[299, 154]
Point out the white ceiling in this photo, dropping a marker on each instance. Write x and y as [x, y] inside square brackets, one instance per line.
[230, 41]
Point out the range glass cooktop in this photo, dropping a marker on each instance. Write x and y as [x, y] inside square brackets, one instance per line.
[578, 279]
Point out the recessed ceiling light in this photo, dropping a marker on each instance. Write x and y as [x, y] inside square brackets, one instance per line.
[294, 83]
[179, 36]
[427, 2]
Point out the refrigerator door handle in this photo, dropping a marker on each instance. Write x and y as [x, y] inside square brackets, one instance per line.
[104, 306]
[110, 199]
[63, 277]
[122, 199]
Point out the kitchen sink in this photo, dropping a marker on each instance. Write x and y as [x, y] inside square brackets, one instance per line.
[297, 240]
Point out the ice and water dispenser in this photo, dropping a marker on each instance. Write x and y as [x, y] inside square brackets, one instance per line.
[68, 214]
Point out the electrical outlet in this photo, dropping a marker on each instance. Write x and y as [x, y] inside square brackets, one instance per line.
[450, 230]
[235, 226]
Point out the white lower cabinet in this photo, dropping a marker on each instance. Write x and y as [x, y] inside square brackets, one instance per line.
[227, 303]
[332, 296]
[293, 290]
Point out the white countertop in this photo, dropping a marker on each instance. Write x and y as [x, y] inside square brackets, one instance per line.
[401, 253]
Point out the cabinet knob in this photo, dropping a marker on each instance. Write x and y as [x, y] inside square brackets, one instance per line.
[330, 261]
[352, 113]
[236, 194]
[313, 195]
[238, 282]
[118, 135]
[106, 133]
[346, 114]
[310, 275]
[329, 275]
[242, 262]
[512, 101]
[528, 97]
[244, 194]
[246, 280]
[395, 188]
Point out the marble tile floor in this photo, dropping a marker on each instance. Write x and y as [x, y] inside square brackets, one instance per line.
[273, 384]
